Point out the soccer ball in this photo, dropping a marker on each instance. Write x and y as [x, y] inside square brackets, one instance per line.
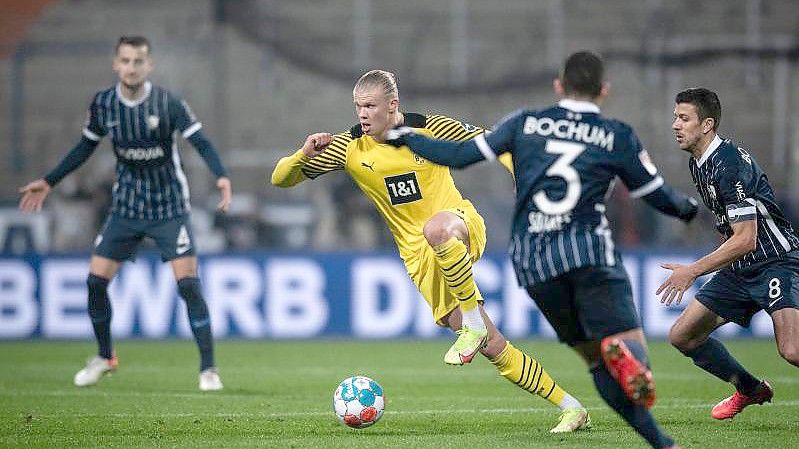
[358, 402]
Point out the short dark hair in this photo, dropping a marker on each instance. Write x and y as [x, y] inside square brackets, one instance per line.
[583, 74]
[706, 102]
[134, 41]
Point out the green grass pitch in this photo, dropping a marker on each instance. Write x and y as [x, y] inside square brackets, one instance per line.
[279, 394]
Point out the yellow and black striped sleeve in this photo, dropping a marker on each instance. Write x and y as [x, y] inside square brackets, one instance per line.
[447, 128]
[297, 167]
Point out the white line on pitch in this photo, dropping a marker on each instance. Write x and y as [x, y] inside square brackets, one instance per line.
[680, 405]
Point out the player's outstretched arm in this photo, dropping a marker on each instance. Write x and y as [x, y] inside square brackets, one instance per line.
[288, 171]
[211, 157]
[742, 242]
[640, 175]
[442, 152]
[209, 154]
[672, 202]
[33, 195]
[35, 192]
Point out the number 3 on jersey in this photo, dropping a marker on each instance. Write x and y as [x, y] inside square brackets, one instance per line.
[561, 168]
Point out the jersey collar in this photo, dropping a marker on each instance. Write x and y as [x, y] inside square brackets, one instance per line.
[578, 106]
[715, 143]
[148, 87]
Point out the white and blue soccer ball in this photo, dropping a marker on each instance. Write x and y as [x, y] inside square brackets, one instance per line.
[358, 402]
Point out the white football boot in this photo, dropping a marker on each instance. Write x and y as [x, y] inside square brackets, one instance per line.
[95, 369]
[210, 380]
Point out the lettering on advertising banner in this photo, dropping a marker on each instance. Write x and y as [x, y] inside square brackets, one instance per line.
[266, 296]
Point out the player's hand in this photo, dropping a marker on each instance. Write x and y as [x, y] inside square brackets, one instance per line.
[33, 195]
[396, 136]
[223, 184]
[690, 209]
[316, 144]
[681, 279]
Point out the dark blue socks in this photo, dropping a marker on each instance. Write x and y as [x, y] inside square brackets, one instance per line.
[100, 313]
[637, 416]
[713, 357]
[191, 292]
[638, 351]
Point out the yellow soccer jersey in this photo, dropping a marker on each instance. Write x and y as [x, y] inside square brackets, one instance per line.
[406, 189]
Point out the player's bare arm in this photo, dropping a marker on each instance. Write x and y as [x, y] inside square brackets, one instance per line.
[743, 241]
[33, 195]
[226, 191]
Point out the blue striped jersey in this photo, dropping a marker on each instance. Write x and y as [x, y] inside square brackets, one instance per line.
[566, 159]
[150, 182]
[735, 189]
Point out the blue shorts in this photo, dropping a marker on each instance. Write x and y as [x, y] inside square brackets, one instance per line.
[770, 285]
[120, 237]
[587, 304]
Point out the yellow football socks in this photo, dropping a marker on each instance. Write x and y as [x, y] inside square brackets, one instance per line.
[456, 266]
[528, 374]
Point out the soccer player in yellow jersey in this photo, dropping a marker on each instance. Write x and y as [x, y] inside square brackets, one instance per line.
[439, 234]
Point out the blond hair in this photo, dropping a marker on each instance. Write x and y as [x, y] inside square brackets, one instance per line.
[378, 79]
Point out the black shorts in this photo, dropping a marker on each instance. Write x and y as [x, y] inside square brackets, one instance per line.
[120, 237]
[587, 304]
[737, 295]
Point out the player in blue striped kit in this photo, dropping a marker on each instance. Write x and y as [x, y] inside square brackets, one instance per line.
[150, 197]
[758, 264]
[565, 160]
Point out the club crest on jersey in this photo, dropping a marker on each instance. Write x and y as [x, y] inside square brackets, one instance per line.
[419, 159]
[469, 128]
[152, 122]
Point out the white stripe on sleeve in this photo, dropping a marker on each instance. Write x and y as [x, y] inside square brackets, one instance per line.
[647, 188]
[484, 147]
[773, 226]
[740, 212]
[192, 129]
[90, 135]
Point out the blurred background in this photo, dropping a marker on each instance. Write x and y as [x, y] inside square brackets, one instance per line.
[262, 74]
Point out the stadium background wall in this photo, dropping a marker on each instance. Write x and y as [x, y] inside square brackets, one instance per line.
[268, 295]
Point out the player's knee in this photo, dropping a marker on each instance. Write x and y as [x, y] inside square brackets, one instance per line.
[790, 352]
[681, 340]
[435, 232]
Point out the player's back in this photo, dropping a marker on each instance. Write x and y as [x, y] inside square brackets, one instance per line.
[565, 163]
[566, 158]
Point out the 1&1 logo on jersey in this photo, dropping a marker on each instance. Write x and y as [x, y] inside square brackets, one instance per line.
[403, 189]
